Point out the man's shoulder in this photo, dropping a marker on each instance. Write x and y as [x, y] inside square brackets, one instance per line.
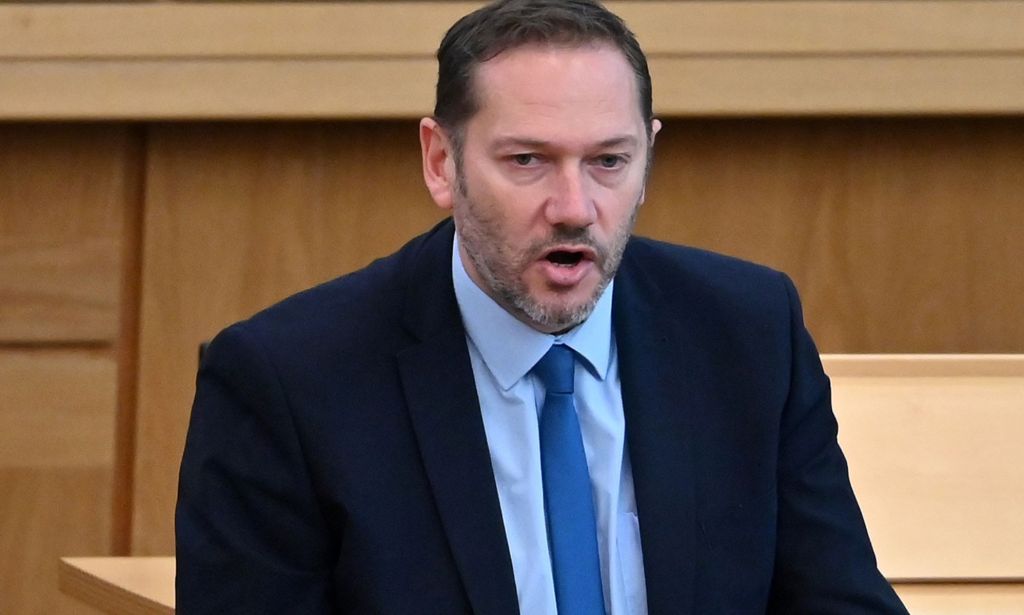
[699, 271]
[721, 295]
[365, 304]
[736, 310]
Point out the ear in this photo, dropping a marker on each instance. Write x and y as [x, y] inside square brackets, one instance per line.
[655, 129]
[438, 162]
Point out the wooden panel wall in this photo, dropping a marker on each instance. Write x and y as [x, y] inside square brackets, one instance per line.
[901, 234]
[63, 194]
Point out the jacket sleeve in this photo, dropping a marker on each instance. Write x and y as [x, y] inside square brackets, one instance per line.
[250, 537]
[824, 560]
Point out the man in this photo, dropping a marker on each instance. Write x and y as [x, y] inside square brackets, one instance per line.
[525, 410]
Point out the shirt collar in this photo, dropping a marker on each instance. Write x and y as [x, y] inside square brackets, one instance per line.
[510, 348]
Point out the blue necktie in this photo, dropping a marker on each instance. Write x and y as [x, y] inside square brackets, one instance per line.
[572, 531]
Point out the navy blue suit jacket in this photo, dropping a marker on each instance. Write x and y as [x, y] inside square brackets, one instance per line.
[336, 459]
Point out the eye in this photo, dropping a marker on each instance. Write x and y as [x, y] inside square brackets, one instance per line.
[524, 160]
[610, 161]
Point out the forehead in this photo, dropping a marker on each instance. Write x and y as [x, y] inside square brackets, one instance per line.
[547, 92]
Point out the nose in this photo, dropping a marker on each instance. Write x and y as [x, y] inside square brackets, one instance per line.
[571, 203]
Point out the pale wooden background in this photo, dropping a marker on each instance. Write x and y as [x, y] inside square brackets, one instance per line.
[123, 244]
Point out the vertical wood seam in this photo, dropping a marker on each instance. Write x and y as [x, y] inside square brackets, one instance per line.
[123, 492]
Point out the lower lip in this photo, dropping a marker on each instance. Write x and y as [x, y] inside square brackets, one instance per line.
[566, 277]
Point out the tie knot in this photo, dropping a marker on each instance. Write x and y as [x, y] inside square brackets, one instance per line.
[555, 369]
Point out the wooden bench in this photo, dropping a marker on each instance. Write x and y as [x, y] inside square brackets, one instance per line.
[935, 445]
[936, 451]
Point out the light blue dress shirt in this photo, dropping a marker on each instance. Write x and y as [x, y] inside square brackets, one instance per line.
[502, 351]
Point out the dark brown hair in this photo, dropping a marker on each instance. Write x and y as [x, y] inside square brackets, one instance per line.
[507, 24]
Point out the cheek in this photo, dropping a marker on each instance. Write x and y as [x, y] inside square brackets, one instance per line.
[520, 203]
[617, 208]
[514, 211]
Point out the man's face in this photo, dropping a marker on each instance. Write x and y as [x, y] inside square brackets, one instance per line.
[550, 179]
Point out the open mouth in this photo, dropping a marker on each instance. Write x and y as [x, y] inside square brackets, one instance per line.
[567, 265]
[565, 258]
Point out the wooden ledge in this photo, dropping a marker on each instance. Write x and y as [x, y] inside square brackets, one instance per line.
[961, 598]
[924, 365]
[145, 586]
[127, 585]
[375, 59]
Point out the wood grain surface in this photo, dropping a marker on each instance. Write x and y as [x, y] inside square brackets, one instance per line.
[902, 235]
[62, 195]
[962, 598]
[47, 513]
[666, 27]
[121, 585]
[56, 451]
[160, 60]
[358, 88]
[57, 408]
[935, 460]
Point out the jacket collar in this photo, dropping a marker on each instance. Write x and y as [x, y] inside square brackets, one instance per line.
[445, 412]
[658, 367]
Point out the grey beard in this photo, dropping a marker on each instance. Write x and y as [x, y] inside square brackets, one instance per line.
[544, 316]
[516, 297]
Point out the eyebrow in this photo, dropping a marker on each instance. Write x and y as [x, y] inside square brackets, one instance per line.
[617, 141]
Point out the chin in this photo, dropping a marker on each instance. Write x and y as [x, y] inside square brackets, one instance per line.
[558, 313]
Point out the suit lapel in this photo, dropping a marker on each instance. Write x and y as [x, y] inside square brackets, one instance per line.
[659, 392]
[438, 383]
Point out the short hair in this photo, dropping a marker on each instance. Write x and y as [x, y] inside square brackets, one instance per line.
[508, 24]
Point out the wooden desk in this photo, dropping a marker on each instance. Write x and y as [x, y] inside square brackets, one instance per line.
[962, 598]
[145, 585]
[121, 585]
